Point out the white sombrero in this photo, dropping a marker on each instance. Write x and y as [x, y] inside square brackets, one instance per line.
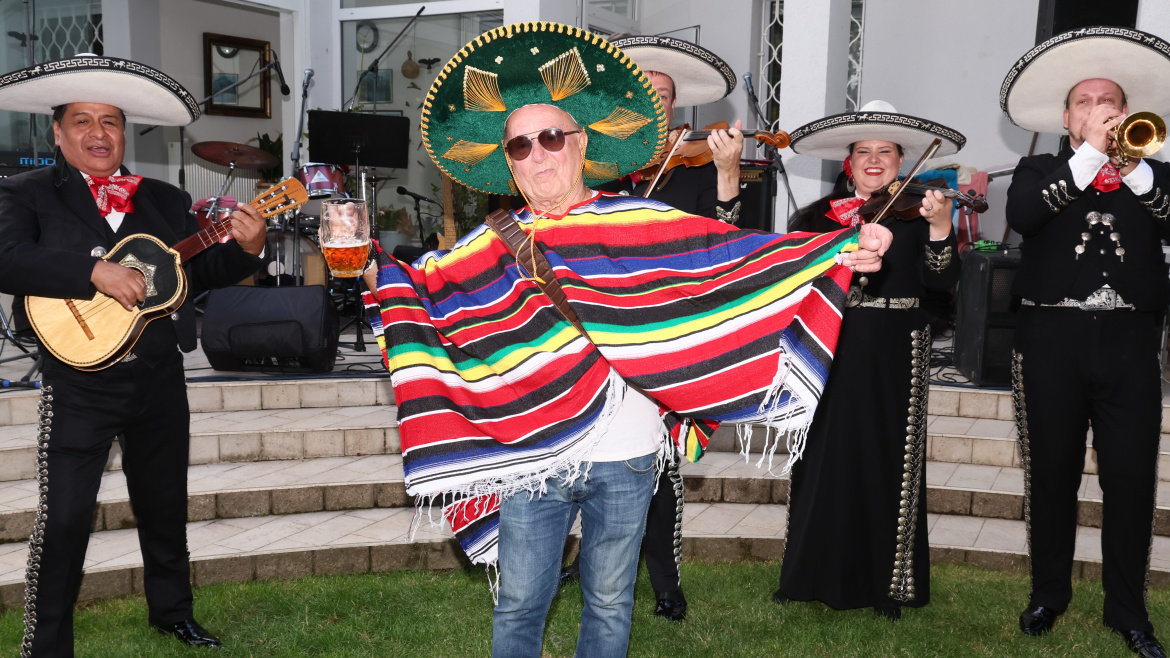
[1034, 91]
[699, 75]
[146, 95]
[829, 138]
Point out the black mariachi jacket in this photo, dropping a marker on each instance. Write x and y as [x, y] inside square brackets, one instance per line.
[693, 190]
[1047, 209]
[906, 269]
[49, 226]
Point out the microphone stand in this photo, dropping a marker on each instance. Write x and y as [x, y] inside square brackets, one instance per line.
[773, 152]
[373, 67]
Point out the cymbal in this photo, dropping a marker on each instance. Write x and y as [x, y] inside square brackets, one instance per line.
[225, 153]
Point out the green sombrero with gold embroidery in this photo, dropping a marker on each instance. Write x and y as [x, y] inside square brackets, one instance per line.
[512, 66]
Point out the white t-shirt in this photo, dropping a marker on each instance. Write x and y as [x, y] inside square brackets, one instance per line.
[635, 430]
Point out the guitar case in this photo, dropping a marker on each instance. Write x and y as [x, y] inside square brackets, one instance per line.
[249, 328]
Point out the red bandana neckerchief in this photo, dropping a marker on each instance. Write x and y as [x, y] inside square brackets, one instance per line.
[113, 194]
[844, 211]
[1108, 178]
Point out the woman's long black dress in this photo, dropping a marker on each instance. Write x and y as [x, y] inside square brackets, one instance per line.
[857, 533]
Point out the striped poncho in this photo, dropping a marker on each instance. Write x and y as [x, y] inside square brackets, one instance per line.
[497, 392]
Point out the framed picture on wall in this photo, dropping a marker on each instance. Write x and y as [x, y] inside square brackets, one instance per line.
[228, 59]
[221, 81]
[377, 87]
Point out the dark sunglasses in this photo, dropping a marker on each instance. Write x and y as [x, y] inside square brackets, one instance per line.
[551, 140]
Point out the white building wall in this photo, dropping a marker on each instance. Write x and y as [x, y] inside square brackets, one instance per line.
[812, 85]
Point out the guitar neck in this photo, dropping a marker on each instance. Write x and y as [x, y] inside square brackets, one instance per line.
[286, 195]
[195, 244]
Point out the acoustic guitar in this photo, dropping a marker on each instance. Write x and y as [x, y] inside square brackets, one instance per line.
[92, 334]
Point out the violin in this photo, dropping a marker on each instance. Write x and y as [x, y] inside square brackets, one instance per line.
[695, 152]
[909, 201]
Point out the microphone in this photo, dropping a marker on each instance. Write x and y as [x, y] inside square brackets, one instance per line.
[308, 76]
[747, 83]
[405, 192]
[284, 89]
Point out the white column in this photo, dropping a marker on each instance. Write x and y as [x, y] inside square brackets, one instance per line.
[131, 29]
[1154, 17]
[812, 85]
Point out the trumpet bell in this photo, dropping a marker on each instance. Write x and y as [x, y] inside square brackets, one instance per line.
[1141, 134]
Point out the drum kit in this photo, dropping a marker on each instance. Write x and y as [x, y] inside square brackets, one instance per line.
[292, 237]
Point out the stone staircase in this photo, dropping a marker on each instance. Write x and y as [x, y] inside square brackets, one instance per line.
[297, 477]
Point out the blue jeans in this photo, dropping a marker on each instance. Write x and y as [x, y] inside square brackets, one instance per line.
[613, 500]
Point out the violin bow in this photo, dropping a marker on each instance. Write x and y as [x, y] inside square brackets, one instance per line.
[897, 185]
[666, 159]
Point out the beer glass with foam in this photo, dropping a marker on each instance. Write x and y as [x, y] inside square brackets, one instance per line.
[345, 236]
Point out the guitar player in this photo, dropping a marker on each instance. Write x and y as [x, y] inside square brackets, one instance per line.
[55, 223]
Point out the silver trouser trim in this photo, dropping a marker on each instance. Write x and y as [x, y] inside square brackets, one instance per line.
[902, 582]
[37, 538]
[1150, 553]
[676, 482]
[1103, 299]
[1022, 441]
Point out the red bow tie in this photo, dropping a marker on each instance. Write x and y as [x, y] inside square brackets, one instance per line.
[113, 194]
[1108, 179]
[844, 211]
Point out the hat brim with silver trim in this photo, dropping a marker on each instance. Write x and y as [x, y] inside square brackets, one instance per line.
[699, 75]
[829, 138]
[509, 67]
[1034, 92]
[144, 94]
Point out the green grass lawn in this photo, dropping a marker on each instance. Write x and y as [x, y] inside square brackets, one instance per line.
[972, 613]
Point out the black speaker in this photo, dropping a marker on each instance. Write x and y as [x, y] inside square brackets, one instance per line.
[1058, 16]
[985, 320]
[291, 329]
[757, 193]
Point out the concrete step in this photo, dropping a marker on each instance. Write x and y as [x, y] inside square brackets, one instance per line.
[19, 407]
[993, 492]
[378, 540]
[246, 436]
[245, 490]
[957, 440]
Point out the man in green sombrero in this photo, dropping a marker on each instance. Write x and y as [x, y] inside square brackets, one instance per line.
[516, 410]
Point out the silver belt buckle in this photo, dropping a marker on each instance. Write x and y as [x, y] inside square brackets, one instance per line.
[1104, 299]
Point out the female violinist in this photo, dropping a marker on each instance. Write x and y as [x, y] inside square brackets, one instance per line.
[857, 534]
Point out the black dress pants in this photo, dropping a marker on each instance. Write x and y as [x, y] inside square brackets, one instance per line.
[1073, 368]
[658, 545]
[148, 406]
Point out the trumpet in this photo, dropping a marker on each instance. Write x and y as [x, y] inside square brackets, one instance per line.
[1140, 135]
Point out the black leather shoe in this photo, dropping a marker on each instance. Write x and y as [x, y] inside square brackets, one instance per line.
[190, 633]
[569, 574]
[891, 611]
[671, 607]
[1037, 620]
[1142, 643]
[779, 599]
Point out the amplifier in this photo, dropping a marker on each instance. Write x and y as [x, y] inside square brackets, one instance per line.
[985, 319]
[757, 193]
[288, 329]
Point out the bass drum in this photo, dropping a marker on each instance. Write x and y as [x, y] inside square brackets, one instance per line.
[279, 270]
